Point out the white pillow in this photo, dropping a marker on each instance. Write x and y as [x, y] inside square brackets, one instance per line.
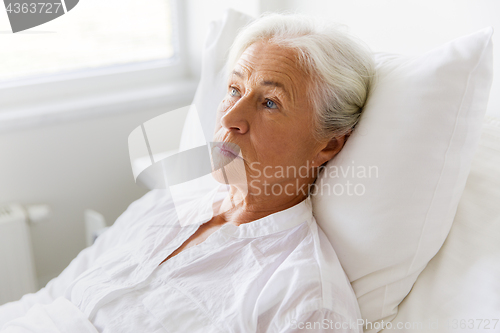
[460, 286]
[419, 128]
[212, 87]
[418, 131]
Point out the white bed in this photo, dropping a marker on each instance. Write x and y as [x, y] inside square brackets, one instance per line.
[437, 102]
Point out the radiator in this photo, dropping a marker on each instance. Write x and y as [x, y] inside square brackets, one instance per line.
[17, 270]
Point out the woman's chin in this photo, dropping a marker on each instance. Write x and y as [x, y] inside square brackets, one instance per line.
[228, 169]
[227, 176]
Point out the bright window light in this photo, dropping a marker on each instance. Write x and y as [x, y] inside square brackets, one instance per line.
[96, 33]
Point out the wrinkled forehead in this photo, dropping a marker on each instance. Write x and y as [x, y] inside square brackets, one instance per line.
[271, 64]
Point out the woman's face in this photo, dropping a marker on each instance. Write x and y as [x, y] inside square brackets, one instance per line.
[267, 114]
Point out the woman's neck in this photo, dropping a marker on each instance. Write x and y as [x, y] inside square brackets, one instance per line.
[243, 206]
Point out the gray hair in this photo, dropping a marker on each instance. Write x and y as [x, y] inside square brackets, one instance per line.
[341, 67]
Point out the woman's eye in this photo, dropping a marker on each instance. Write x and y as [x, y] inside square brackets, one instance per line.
[233, 92]
[271, 105]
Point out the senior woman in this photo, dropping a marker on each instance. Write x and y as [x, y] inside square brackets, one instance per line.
[251, 257]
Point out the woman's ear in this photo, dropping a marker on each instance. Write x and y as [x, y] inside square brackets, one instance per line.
[330, 149]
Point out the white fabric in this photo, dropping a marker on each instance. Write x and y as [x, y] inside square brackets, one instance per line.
[460, 287]
[420, 128]
[418, 133]
[275, 274]
[60, 316]
[213, 85]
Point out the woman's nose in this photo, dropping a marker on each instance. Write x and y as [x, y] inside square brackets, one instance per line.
[236, 117]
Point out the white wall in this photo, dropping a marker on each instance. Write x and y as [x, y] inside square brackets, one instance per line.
[412, 26]
[72, 166]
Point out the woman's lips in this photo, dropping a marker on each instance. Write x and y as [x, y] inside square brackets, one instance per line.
[228, 149]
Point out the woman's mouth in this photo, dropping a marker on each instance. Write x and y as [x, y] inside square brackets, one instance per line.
[228, 149]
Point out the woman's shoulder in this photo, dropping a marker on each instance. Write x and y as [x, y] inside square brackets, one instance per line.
[140, 213]
[152, 204]
[311, 279]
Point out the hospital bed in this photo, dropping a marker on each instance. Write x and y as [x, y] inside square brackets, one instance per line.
[420, 245]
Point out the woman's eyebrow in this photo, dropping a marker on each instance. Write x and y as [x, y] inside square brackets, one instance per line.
[278, 85]
[267, 83]
[238, 74]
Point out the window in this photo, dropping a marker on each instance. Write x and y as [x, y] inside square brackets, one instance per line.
[94, 34]
[101, 55]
